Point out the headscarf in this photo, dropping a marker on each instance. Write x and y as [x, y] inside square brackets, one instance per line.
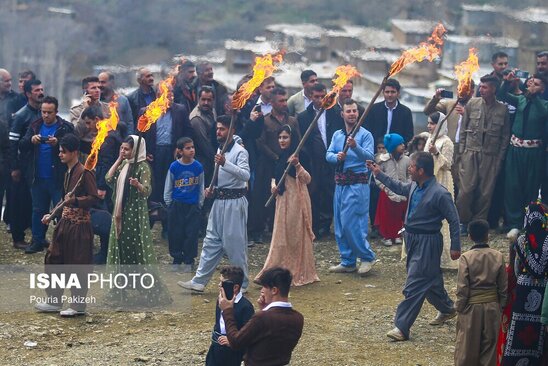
[532, 246]
[123, 178]
[281, 163]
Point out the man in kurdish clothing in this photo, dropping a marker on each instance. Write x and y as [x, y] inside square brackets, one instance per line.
[429, 204]
[270, 336]
[72, 241]
[227, 225]
[351, 201]
[525, 155]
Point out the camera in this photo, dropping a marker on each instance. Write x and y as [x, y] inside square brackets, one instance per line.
[447, 94]
[44, 139]
[521, 74]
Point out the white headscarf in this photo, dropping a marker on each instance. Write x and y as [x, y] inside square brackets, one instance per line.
[120, 184]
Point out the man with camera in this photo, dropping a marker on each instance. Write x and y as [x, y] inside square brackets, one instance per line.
[271, 334]
[220, 352]
[524, 159]
[45, 172]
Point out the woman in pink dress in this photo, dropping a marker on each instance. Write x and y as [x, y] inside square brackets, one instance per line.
[292, 236]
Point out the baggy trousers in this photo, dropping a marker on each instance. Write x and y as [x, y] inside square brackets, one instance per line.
[351, 208]
[226, 233]
[424, 279]
[523, 179]
[477, 176]
[477, 333]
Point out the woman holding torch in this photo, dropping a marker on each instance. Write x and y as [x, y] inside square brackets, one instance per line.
[292, 236]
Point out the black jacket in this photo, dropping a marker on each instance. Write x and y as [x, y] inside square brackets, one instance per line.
[15, 105]
[4, 151]
[181, 127]
[108, 153]
[136, 101]
[21, 122]
[5, 106]
[314, 145]
[250, 131]
[26, 145]
[402, 122]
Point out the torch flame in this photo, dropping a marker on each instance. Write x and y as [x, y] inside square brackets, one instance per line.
[263, 69]
[426, 50]
[159, 106]
[464, 72]
[343, 74]
[103, 128]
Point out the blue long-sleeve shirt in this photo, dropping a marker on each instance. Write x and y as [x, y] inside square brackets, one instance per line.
[356, 156]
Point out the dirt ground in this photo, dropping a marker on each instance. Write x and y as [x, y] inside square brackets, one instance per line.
[346, 319]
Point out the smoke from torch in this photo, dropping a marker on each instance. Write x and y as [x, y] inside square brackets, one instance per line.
[426, 50]
[159, 106]
[104, 126]
[343, 74]
[264, 68]
[464, 72]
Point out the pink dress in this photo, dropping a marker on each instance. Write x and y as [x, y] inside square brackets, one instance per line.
[292, 236]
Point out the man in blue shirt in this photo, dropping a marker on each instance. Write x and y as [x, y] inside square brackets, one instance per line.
[351, 202]
[45, 173]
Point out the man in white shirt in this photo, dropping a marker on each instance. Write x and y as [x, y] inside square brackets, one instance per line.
[299, 101]
[220, 353]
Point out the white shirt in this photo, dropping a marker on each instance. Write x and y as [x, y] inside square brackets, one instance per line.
[457, 135]
[322, 126]
[221, 320]
[389, 116]
[266, 108]
[307, 100]
[278, 304]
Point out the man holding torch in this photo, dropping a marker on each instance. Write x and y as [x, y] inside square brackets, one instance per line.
[226, 228]
[351, 201]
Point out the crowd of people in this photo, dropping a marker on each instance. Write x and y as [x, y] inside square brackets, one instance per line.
[481, 161]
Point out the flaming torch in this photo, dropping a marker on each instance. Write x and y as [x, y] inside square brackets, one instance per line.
[428, 50]
[264, 68]
[104, 126]
[463, 73]
[153, 111]
[343, 75]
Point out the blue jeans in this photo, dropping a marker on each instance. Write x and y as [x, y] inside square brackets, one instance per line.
[44, 193]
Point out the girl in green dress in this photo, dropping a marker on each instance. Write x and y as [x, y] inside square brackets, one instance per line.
[130, 240]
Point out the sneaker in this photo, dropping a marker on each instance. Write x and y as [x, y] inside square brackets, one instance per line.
[387, 242]
[185, 268]
[250, 244]
[175, 267]
[366, 267]
[34, 248]
[339, 268]
[512, 235]
[398, 241]
[20, 244]
[191, 285]
[442, 317]
[46, 308]
[396, 335]
[71, 313]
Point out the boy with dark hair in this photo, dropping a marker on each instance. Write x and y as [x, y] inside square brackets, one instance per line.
[272, 333]
[220, 352]
[184, 195]
[72, 241]
[481, 293]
